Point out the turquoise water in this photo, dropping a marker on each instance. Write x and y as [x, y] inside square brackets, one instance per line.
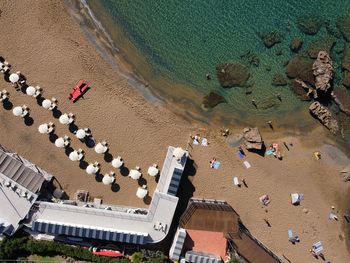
[183, 40]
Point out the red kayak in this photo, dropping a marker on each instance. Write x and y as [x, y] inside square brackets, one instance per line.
[79, 89]
[108, 253]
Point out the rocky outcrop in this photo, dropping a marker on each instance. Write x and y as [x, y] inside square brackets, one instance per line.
[295, 44]
[301, 89]
[279, 80]
[309, 25]
[270, 38]
[252, 139]
[301, 67]
[343, 25]
[324, 44]
[342, 98]
[323, 71]
[232, 74]
[212, 99]
[324, 116]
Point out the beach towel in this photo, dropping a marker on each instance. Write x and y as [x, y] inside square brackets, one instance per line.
[235, 181]
[290, 233]
[269, 152]
[195, 142]
[216, 165]
[317, 247]
[247, 164]
[204, 142]
[332, 216]
[241, 155]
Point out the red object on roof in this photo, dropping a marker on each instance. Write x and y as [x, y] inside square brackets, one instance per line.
[108, 253]
[79, 89]
[206, 241]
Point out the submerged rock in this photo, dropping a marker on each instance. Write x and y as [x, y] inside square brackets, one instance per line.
[250, 58]
[301, 67]
[342, 98]
[343, 25]
[324, 116]
[345, 62]
[252, 139]
[232, 74]
[309, 25]
[324, 44]
[346, 79]
[212, 99]
[302, 90]
[279, 80]
[323, 71]
[295, 44]
[270, 38]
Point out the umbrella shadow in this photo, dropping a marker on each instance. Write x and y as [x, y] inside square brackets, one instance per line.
[83, 164]
[24, 88]
[72, 127]
[28, 120]
[260, 152]
[98, 177]
[90, 142]
[157, 178]
[115, 187]
[39, 100]
[108, 157]
[142, 181]
[147, 200]
[7, 76]
[56, 113]
[52, 137]
[68, 150]
[7, 105]
[124, 171]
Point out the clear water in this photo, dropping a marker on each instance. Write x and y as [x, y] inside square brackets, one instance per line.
[180, 41]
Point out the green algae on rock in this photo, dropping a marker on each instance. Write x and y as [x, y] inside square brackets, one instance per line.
[295, 44]
[279, 80]
[270, 38]
[309, 25]
[301, 67]
[212, 99]
[343, 24]
[232, 74]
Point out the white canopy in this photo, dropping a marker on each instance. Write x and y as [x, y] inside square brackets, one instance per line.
[17, 111]
[108, 179]
[30, 91]
[80, 134]
[64, 119]
[153, 171]
[43, 128]
[59, 142]
[178, 153]
[141, 192]
[134, 174]
[46, 104]
[91, 169]
[14, 78]
[100, 148]
[117, 162]
[74, 156]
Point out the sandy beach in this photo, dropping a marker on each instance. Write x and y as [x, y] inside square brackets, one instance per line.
[44, 42]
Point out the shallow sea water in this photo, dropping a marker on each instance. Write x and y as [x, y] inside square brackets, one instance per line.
[180, 41]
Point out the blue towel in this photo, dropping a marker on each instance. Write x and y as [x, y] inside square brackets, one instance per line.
[195, 142]
[216, 165]
[269, 152]
[241, 155]
[290, 233]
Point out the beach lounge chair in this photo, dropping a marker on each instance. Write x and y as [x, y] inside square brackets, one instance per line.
[79, 89]
[291, 237]
[236, 181]
[265, 199]
[317, 248]
[296, 198]
[204, 142]
[247, 164]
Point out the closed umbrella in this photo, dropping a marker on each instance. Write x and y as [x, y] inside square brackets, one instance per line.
[153, 170]
[142, 192]
[60, 143]
[30, 91]
[43, 128]
[47, 104]
[178, 153]
[64, 119]
[80, 134]
[117, 162]
[92, 168]
[100, 148]
[135, 174]
[17, 111]
[108, 179]
[14, 78]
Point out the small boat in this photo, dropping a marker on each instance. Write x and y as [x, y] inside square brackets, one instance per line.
[79, 89]
[106, 252]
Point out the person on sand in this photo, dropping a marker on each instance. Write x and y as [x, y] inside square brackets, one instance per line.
[212, 162]
[196, 139]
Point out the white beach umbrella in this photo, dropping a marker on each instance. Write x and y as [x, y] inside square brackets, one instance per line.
[30, 91]
[64, 119]
[92, 169]
[134, 174]
[80, 134]
[117, 162]
[75, 156]
[100, 148]
[178, 153]
[14, 78]
[43, 128]
[141, 192]
[17, 111]
[59, 142]
[153, 170]
[108, 179]
[46, 104]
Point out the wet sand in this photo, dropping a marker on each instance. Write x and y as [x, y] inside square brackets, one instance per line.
[44, 42]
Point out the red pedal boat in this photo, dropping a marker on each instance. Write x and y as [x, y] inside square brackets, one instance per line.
[79, 89]
[107, 252]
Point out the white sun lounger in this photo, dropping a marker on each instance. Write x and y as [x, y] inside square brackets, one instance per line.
[236, 181]
[247, 164]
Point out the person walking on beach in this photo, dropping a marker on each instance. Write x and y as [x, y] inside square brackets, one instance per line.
[254, 103]
[267, 222]
[270, 124]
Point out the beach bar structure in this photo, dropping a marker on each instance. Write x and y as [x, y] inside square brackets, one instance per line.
[20, 185]
[118, 225]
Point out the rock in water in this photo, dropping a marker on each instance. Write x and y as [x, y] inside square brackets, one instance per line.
[212, 99]
[301, 67]
[343, 25]
[324, 44]
[270, 38]
[295, 44]
[323, 71]
[345, 62]
[346, 79]
[279, 80]
[252, 139]
[309, 25]
[324, 116]
[342, 98]
[232, 74]
[300, 89]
